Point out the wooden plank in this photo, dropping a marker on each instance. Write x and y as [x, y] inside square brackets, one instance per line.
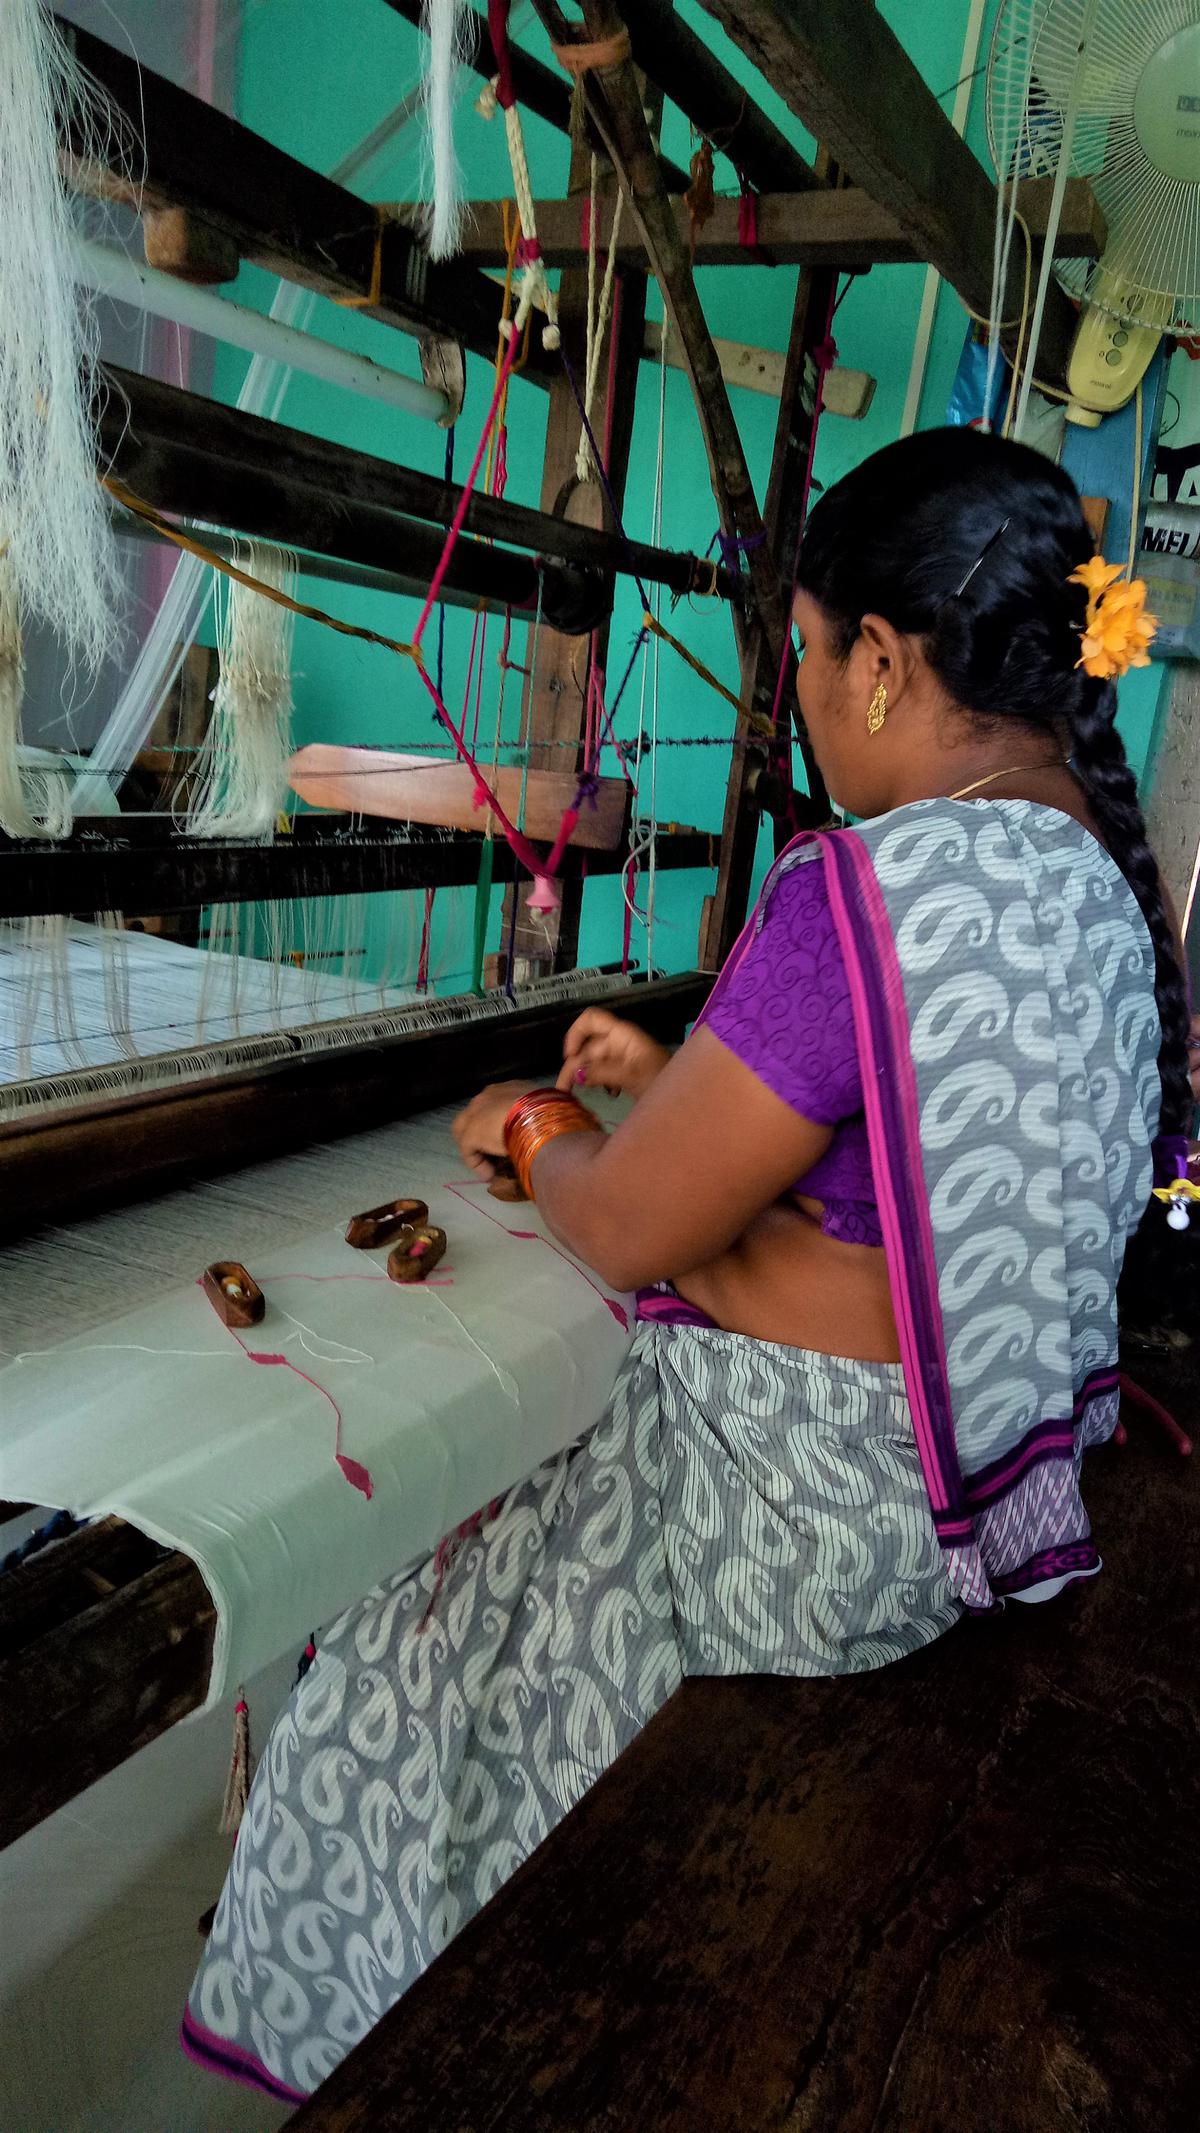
[421, 788]
[840, 227]
[272, 209]
[61, 1166]
[188, 455]
[88, 1676]
[725, 917]
[861, 1904]
[133, 867]
[845, 74]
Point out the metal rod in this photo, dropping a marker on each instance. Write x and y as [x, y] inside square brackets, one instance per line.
[112, 273]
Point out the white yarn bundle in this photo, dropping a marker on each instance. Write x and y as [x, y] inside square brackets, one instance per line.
[447, 24]
[242, 767]
[51, 508]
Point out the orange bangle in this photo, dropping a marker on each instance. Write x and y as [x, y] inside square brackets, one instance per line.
[544, 1115]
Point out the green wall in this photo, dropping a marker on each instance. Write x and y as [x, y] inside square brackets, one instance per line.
[315, 79]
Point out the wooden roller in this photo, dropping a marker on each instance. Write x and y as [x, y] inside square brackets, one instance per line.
[381, 1225]
[506, 1186]
[416, 788]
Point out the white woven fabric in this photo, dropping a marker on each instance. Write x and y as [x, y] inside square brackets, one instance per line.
[449, 1393]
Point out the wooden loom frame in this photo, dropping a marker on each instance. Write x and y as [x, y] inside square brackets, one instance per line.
[917, 192]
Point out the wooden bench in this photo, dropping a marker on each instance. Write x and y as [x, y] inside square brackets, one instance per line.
[963, 1892]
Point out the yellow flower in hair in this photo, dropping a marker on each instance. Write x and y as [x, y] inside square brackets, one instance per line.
[1118, 632]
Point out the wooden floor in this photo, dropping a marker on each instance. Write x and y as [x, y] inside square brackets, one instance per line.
[962, 1893]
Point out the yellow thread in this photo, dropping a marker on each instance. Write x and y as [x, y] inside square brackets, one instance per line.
[161, 525]
[753, 718]
[368, 302]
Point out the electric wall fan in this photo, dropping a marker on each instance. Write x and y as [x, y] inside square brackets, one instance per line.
[1111, 89]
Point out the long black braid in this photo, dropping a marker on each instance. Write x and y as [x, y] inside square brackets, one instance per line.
[969, 541]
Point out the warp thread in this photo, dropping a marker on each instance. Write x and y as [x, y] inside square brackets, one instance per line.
[446, 24]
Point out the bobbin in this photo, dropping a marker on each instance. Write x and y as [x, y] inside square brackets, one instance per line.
[233, 1293]
[382, 1225]
[414, 1258]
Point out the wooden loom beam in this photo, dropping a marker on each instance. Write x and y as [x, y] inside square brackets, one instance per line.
[133, 867]
[272, 209]
[615, 106]
[105, 1641]
[60, 1165]
[685, 69]
[847, 77]
[555, 706]
[828, 226]
[186, 454]
[782, 518]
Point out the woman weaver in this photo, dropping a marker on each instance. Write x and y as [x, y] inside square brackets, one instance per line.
[876, 1209]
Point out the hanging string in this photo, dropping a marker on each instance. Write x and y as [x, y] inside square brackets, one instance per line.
[598, 312]
[448, 478]
[535, 288]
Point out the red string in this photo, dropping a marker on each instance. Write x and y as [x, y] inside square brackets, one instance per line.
[456, 523]
[497, 15]
[356, 1474]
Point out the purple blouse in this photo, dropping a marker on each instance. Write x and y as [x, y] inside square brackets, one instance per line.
[784, 1009]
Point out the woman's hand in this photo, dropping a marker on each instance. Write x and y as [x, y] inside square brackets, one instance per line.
[603, 1052]
[479, 1130]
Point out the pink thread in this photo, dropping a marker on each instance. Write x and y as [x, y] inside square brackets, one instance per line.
[356, 1474]
[533, 1236]
[464, 501]
[545, 896]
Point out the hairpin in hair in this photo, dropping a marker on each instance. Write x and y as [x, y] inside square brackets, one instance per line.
[984, 552]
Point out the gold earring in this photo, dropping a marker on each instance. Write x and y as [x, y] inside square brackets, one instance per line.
[877, 710]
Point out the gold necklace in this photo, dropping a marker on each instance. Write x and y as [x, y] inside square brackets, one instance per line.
[1014, 770]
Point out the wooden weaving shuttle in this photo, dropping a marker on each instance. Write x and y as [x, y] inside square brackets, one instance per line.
[420, 788]
[415, 1256]
[382, 1225]
[506, 1186]
[233, 1293]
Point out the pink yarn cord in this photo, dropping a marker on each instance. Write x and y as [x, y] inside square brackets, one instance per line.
[464, 501]
[356, 1474]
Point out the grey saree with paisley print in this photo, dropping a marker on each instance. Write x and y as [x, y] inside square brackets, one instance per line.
[746, 1507]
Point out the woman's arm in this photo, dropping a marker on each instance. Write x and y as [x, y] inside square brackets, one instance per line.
[707, 1148]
